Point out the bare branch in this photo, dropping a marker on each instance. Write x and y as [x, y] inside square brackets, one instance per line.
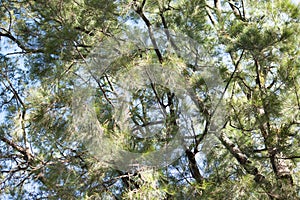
[236, 10]
[210, 16]
[27, 155]
[20, 45]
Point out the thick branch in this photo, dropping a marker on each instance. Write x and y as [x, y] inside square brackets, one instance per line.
[217, 4]
[193, 167]
[246, 164]
[139, 11]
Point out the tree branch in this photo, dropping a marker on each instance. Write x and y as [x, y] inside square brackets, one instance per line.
[139, 11]
[27, 155]
[246, 163]
[20, 45]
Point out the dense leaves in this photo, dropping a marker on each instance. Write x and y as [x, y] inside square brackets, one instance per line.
[48, 46]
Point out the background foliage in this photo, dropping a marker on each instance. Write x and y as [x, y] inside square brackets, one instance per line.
[253, 44]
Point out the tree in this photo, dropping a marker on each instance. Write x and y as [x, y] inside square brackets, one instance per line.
[247, 148]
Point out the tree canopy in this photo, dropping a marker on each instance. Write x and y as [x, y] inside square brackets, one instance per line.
[149, 99]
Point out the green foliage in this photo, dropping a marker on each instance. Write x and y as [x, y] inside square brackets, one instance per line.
[45, 48]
